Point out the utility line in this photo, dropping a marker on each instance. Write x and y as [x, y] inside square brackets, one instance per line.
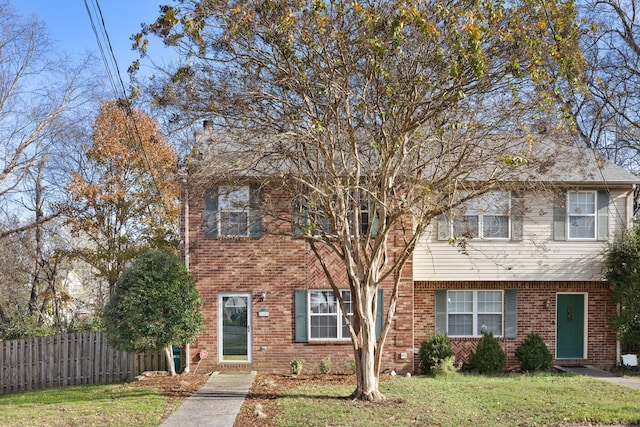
[117, 84]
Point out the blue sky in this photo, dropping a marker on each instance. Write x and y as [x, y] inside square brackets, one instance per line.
[68, 23]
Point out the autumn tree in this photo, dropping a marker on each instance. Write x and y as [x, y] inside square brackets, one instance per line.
[376, 116]
[125, 196]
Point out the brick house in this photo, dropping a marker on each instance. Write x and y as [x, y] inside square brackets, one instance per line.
[511, 262]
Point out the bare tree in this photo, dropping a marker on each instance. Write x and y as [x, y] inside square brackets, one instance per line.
[38, 87]
[608, 113]
[375, 116]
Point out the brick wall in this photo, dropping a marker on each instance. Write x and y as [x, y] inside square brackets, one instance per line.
[279, 264]
[533, 316]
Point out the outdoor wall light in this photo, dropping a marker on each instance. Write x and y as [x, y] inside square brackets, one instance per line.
[263, 295]
[547, 303]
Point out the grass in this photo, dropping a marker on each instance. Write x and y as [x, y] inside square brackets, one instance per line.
[89, 405]
[467, 400]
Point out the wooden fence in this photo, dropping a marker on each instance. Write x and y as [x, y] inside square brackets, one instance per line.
[69, 359]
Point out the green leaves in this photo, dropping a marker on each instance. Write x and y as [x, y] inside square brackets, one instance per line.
[155, 303]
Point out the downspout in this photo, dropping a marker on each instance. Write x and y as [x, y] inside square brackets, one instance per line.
[187, 348]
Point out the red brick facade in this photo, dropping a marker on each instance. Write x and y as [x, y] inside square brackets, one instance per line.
[281, 264]
[534, 315]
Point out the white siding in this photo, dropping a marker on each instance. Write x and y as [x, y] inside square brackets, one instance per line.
[536, 257]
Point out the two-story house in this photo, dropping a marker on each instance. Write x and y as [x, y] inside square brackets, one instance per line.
[526, 259]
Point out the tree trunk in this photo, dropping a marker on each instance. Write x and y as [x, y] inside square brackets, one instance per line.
[168, 350]
[367, 369]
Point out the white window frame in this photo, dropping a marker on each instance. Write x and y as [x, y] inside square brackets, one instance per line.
[233, 200]
[475, 313]
[480, 207]
[571, 216]
[340, 324]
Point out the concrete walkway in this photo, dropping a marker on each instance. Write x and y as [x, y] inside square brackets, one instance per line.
[590, 371]
[216, 404]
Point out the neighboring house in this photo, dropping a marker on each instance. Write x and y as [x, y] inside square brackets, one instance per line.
[511, 262]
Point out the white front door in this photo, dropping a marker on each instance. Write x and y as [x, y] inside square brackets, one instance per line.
[234, 327]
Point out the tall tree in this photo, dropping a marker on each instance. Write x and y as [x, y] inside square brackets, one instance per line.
[608, 112]
[39, 87]
[376, 113]
[125, 196]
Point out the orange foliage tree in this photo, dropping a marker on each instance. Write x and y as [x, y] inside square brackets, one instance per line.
[124, 200]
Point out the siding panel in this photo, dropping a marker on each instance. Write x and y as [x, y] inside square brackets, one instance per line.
[536, 257]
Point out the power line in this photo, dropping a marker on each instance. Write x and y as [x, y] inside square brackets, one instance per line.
[117, 84]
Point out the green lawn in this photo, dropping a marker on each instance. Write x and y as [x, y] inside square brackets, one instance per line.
[467, 400]
[90, 405]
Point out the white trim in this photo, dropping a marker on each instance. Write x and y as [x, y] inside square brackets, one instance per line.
[594, 215]
[474, 313]
[249, 326]
[338, 314]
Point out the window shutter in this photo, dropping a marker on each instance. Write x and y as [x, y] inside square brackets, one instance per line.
[380, 313]
[444, 230]
[300, 310]
[255, 216]
[440, 301]
[511, 313]
[374, 226]
[560, 216]
[517, 215]
[210, 219]
[603, 214]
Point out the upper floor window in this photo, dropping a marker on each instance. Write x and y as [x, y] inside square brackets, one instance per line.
[485, 217]
[581, 215]
[233, 212]
[318, 223]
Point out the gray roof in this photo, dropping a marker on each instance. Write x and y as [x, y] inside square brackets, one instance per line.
[569, 164]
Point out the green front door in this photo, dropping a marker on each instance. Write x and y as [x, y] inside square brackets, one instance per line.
[570, 326]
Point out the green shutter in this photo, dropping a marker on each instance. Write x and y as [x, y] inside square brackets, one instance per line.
[300, 310]
[603, 215]
[444, 231]
[380, 313]
[517, 215]
[210, 219]
[511, 313]
[560, 216]
[255, 215]
[440, 309]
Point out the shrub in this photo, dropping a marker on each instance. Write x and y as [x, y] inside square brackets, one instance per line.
[296, 366]
[488, 358]
[433, 351]
[325, 366]
[446, 366]
[533, 354]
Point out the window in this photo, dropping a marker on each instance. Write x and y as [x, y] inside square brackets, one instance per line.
[317, 315]
[317, 223]
[233, 212]
[325, 317]
[470, 313]
[486, 217]
[581, 214]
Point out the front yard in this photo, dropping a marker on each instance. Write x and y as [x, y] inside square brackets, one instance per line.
[322, 400]
[457, 400]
